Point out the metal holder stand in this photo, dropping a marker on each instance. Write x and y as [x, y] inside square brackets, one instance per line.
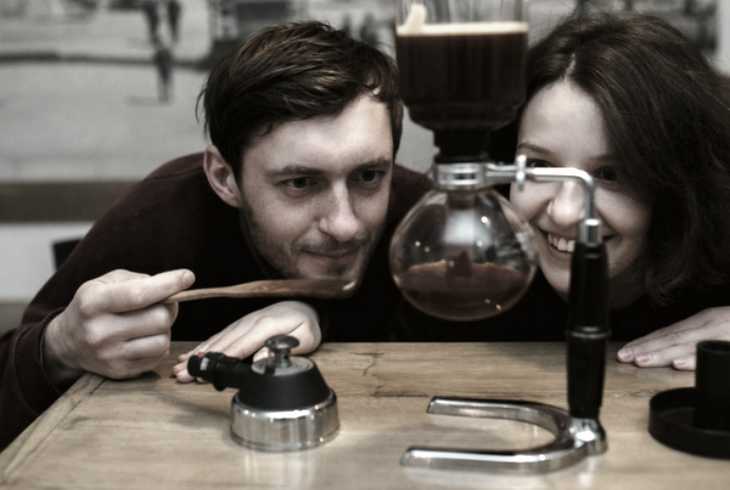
[575, 438]
[577, 432]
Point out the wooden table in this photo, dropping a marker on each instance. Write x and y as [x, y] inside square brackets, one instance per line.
[152, 433]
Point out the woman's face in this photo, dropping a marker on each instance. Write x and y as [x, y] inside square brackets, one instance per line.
[563, 127]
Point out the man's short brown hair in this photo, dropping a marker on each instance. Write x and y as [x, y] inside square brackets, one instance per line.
[290, 72]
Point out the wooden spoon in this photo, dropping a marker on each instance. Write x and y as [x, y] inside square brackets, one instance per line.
[309, 288]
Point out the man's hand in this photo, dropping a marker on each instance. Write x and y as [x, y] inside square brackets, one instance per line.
[248, 335]
[676, 345]
[115, 326]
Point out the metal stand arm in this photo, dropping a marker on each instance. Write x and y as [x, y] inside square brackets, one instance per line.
[574, 438]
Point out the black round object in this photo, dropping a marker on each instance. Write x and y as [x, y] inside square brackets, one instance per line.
[697, 420]
[712, 383]
[671, 422]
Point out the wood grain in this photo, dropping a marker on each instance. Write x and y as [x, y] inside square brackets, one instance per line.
[152, 432]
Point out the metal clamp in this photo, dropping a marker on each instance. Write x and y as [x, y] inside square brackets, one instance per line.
[474, 176]
[589, 228]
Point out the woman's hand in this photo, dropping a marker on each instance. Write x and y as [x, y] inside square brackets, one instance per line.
[248, 335]
[676, 344]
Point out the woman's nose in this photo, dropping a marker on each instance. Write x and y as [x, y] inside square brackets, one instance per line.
[567, 207]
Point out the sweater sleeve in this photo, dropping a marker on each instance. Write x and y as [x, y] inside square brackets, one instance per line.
[25, 388]
[120, 239]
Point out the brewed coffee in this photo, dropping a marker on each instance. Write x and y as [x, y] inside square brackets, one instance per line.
[461, 290]
[462, 76]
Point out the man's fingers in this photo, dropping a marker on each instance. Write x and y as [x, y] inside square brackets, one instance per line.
[202, 347]
[222, 342]
[131, 358]
[263, 353]
[153, 320]
[182, 376]
[241, 347]
[180, 371]
[217, 343]
[250, 341]
[135, 357]
[150, 347]
[205, 346]
[248, 335]
[178, 367]
[308, 340]
[120, 275]
[134, 294]
[125, 369]
[107, 330]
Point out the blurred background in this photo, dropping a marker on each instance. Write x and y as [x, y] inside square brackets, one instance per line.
[94, 94]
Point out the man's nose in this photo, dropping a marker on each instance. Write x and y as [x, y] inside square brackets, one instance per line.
[339, 219]
[567, 206]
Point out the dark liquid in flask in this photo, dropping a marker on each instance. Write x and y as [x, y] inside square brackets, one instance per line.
[456, 293]
[463, 80]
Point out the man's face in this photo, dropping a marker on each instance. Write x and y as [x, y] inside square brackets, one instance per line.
[315, 192]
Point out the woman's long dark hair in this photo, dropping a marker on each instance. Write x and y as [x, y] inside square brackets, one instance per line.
[667, 115]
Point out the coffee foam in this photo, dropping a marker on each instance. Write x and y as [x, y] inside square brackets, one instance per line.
[462, 29]
[415, 25]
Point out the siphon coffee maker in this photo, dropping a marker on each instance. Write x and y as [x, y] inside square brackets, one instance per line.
[462, 253]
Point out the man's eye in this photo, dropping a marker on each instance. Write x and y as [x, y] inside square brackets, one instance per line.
[300, 182]
[370, 177]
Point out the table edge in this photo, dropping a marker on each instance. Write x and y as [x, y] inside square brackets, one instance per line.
[33, 436]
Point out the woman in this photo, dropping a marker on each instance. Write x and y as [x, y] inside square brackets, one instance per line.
[631, 101]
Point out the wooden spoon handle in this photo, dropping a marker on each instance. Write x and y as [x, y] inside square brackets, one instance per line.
[310, 288]
[205, 293]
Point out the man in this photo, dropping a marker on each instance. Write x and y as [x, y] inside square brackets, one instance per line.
[163, 60]
[304, 124]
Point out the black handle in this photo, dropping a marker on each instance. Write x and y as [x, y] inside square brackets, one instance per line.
[222, 371]
[588, 330]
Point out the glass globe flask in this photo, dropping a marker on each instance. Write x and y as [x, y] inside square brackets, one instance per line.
[463, 254]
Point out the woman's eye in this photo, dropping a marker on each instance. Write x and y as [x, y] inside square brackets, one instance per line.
[606, 174]
[536, 162]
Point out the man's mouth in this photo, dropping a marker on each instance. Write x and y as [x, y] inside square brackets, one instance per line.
[334, 254]
[341, 263]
